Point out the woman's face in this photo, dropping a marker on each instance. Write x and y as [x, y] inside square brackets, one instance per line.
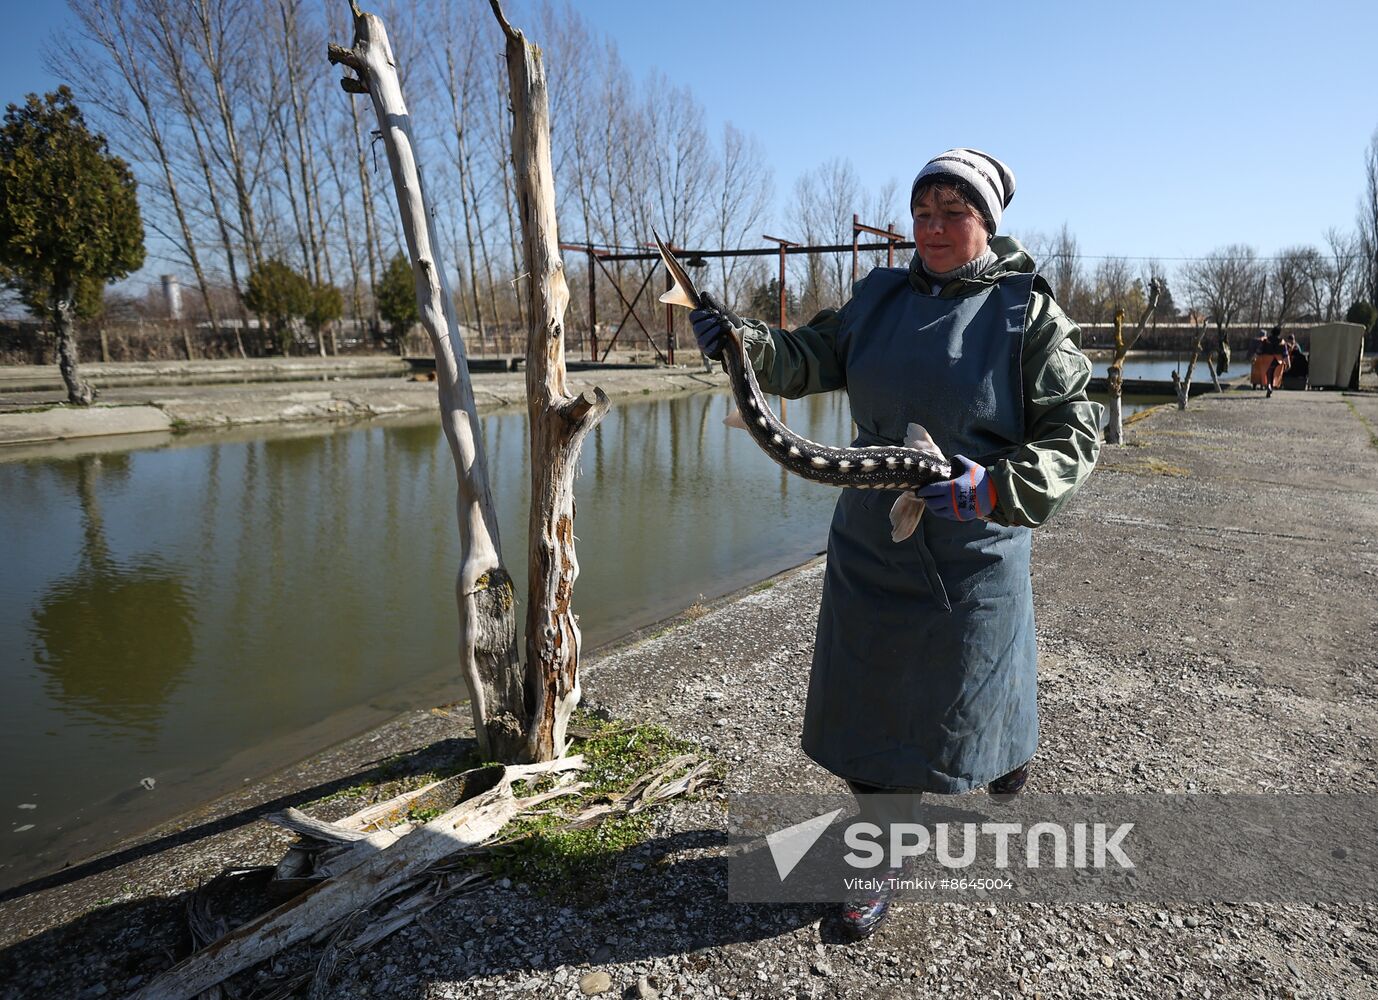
[947, 232]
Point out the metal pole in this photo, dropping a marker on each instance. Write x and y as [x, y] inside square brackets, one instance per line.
[856, 240]
[593, 309]
[784, 318]
[784, 244]
[669, 322]
[890, 250]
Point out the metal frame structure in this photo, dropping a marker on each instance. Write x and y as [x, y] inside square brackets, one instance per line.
[893, 241]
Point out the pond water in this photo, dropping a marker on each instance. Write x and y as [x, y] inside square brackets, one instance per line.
[1161, 369]
[202, 611]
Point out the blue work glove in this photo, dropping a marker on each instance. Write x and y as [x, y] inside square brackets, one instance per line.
[970, 495]
[711, 322]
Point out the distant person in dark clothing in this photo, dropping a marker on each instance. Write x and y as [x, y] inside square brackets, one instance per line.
[1300, 367]
[1264, 351]
[1222, 353]
[1277, 348]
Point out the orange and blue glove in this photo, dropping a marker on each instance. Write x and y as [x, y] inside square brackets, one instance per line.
[966, 497]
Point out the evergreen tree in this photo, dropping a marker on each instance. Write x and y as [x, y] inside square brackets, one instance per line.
[327, 305]
[279, 295]
[69, 219]
[396, 298]
[764, 303]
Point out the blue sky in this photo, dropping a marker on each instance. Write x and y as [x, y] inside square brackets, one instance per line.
[1163, 129]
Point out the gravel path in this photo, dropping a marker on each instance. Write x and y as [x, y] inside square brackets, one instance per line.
[1207, 610]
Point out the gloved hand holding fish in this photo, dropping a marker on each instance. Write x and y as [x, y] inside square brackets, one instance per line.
[711, 324]
[915, 464]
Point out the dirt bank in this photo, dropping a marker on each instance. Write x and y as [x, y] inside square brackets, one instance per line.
[1206, 613]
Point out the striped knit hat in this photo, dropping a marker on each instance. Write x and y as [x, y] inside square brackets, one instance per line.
[990, 180]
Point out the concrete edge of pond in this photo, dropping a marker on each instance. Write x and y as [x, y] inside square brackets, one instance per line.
[59, 424]
[32, 418]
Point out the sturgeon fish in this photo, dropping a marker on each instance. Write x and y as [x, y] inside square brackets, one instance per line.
[881, 467]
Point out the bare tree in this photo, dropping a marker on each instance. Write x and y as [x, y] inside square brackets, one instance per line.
[1114, 380]
[1287, 273]
[484, 589]
[825, 199]
[743, 198]
[121, 31]
[461, 72]
[1368, 223]
[213, 35]
[1182, 386]
[1113, 287]
[682, 170]
[1224, 283]
[1061, 266]
[559, 421]
[1341, 267]
[169, 25]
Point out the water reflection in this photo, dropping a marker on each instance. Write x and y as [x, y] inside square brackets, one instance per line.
[201, 611]
[112, 638]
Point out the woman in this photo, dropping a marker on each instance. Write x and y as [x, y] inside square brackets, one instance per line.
[924, 665]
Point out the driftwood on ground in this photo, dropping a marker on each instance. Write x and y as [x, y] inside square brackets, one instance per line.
[375, 883]
[370, 870]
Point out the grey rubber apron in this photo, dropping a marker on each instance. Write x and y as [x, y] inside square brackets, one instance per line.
[924, 666]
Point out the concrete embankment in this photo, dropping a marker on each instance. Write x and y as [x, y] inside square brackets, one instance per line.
[1207, 607]
[267, 393]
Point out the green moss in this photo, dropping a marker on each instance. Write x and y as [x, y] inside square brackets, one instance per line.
[763, 585]
[579, 864]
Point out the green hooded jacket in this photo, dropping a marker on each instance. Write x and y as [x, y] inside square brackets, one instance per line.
[1061, 425]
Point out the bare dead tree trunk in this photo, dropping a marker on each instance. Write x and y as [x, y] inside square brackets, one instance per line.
[1114, 385]
[1183, 386]
[559, 422]
[484, 589]
[1114, 378]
